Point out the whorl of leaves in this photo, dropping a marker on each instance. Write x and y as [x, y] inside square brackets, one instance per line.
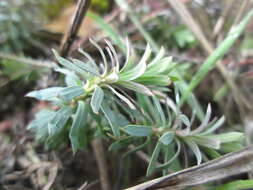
[95, 102]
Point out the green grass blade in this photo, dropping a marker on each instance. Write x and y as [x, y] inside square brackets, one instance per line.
[235, 185]
[220, 51]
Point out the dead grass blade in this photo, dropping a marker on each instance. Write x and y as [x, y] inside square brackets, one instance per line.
[98, 150]
[226, 166]
[53, 170]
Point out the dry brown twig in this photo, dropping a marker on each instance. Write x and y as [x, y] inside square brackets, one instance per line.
[83, 186]
[244, 6]
[226, 166]
[89, 185]
[53, 171]
[28, 61]
[71, 34]
[98, 149]
[221, 20]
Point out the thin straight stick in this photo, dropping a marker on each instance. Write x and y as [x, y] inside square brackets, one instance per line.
[99, 153]
[70, 36]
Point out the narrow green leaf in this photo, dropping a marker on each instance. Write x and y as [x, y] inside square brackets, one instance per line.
[153, 160]
[68, 64]
[159, 109]
[156, 80]
[138, 130]
[122, 143]
[111, 118]
[145, 103]
[56, 140]
[139, 147]
[91, 60]
[123, 98]
[192, 101]
[167, 138]
[185, 120]
[86, 67]
[133, 114]
[174, 78]
[129, 63]
[41, 119]
[121, 119]
[59, 120]
[138, 70]
[113, 54]
[215, 126]
[160, 67]
[97, 99]
[230, 147]
[46, 94]
[206, 141]
[68, 93]
[171, 104]
[195, 149]
[211, 153]
[135, 87]
[205, 121]
[39, 124]
[168, 163]
[71, 79]
[57, 126]
[77, 131]
[228, 137]
[105, 63]
[158, 57]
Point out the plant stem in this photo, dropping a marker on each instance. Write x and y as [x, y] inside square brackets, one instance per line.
[98, 149]
[33, 62]
[70, 36]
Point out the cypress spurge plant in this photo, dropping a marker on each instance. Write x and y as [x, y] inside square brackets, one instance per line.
[127, 103]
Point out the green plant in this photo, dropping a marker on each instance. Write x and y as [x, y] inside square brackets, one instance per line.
[17, 24]
[97, 103]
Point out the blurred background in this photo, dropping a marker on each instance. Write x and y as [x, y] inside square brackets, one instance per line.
[30, 29]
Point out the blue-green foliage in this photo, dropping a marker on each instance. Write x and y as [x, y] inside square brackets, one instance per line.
[95, 102]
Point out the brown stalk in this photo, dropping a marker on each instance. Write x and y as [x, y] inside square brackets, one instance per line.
[221, 20]
[69, 37]
[226, 166]
[244, 6]
[28, 61]
[99, 153]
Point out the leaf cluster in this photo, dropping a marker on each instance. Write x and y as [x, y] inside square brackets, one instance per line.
[18, 21]
[127, 103]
